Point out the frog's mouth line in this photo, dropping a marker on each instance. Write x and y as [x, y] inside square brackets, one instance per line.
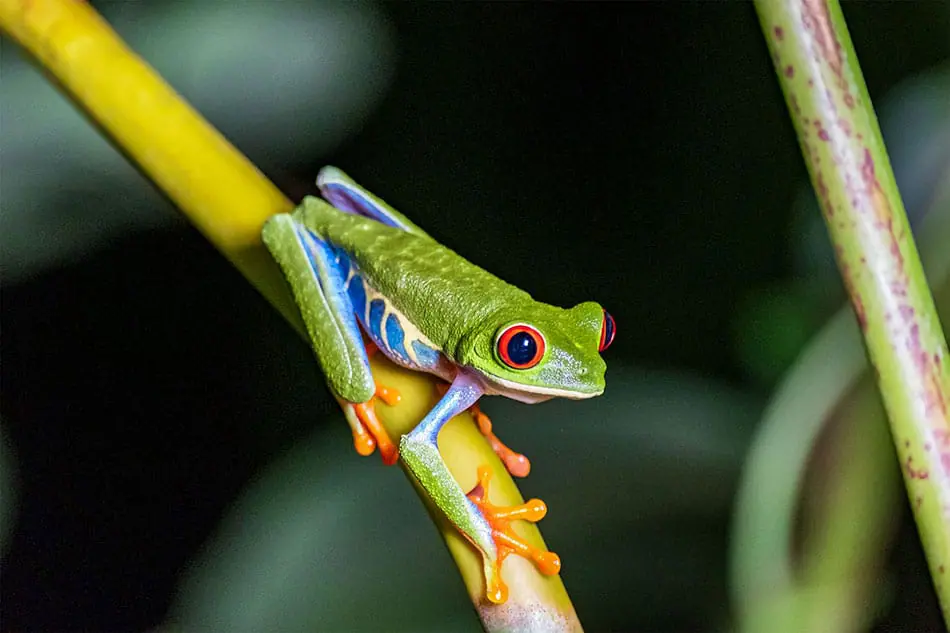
[531, 393]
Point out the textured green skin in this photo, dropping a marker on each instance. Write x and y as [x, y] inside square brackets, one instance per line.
[461, 307]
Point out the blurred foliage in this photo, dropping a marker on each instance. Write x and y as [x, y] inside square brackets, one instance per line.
[177, 454]
[226, 64]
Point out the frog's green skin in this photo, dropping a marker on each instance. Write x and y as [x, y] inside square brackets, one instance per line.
[428, 309]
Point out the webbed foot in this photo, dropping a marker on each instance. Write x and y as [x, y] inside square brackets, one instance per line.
[506, 541]
[368, 431]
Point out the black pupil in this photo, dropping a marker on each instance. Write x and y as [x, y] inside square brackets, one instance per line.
[522, 348]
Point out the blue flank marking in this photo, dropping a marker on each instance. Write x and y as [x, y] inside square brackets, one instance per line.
[428, 358]
[395, 336]
[343, 260]
[375, 321]
[364, 206]
[358, 295]
[349, 303]
[322, 257]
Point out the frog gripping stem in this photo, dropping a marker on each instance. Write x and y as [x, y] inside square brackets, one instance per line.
[517, 464]
[506, 541]
[368, 431]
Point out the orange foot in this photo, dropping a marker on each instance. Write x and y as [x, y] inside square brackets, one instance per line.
[507, 542]
[368, 431]
[516, 463]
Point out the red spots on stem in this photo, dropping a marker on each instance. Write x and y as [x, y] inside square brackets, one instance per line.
[881, 208]
[859, 312]
[816, 18]
[876, 226]
[933, 398]
[845, 126]
[915, 474]
[942, 437]
[856, 302]
[779, 33]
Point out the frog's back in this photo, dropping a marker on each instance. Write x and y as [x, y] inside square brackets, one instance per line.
[442, 294]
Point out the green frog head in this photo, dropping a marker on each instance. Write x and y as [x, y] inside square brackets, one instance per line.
[535, 351]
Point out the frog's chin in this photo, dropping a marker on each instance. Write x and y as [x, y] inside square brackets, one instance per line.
[531, 394]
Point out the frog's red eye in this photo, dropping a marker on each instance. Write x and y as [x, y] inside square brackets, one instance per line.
[521, 346]
[607, 331]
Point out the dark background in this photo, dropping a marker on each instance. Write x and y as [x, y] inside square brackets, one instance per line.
[637, 154]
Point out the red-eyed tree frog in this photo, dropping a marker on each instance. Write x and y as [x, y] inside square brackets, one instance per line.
[359, 266]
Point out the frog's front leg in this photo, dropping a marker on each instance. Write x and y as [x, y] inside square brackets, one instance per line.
[484, 524]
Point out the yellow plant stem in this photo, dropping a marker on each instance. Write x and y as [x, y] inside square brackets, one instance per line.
[228, 199]
[846, 158]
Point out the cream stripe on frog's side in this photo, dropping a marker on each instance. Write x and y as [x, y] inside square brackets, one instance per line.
[403, 352]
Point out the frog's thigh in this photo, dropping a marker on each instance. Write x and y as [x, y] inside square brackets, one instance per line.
[319, 287]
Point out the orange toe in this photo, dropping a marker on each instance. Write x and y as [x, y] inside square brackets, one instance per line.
[366, 413]
[388, 395]
[506, 541]
[363, 441]
[368, 431]
[516, 463]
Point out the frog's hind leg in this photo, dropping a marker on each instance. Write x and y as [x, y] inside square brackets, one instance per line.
[318, 281]
[346, 195]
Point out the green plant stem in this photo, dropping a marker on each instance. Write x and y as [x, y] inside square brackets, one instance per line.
[839, 137]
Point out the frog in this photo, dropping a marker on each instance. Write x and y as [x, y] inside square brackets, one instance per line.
[367, 280]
